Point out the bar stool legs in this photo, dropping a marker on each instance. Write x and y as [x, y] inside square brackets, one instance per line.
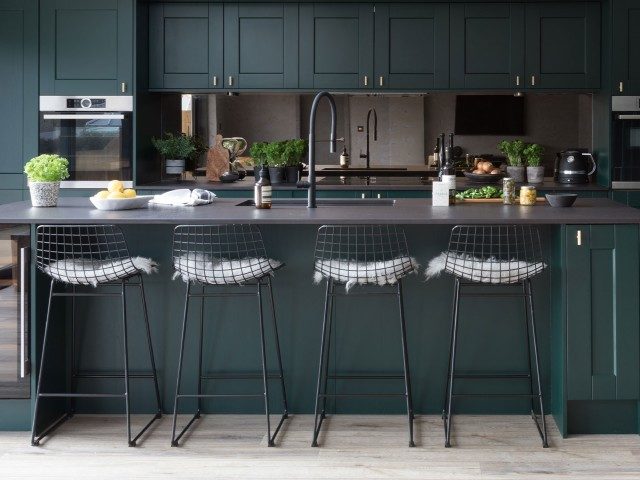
[131, 441]
[323, 363]
[264, 374]
[530, 336]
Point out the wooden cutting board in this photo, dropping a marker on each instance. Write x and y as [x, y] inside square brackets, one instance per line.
[494, 200]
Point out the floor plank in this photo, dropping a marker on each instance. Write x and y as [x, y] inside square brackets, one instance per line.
[352, 448]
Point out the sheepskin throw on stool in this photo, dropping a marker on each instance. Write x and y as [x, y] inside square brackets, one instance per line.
[351, 272]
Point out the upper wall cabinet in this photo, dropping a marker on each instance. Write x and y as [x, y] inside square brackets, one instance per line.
[336, 46]
[86, 48]
[487, 45]
[563, 45]
[626, 39]
[261, 45]
[411, 46]
[186, 46]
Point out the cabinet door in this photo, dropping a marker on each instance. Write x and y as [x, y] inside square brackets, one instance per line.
[487, 45]
[336, 46]
[19, 98]
[626, 38]
[185, 46]
[261, 45]
[411, 46]
[602, 275]
[563, 45]
[86, 48]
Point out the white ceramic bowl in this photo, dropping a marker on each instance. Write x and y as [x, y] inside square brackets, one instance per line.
[140, 201]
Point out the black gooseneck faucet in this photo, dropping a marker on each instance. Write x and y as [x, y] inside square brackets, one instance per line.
[311, 194]
[375, 134]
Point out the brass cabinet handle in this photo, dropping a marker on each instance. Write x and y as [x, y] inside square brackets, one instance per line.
[123, 87]
[533, 80]
[517, 80]
[579, 238]
[230, 81]
[366, 81]
[621, 87]
[381, 81]
[215, 80]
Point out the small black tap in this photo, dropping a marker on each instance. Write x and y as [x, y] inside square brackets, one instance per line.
[375, 134]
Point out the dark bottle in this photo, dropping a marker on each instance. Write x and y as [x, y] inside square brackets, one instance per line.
[262, 190]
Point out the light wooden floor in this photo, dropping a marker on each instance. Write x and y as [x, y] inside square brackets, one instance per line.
[353, 447]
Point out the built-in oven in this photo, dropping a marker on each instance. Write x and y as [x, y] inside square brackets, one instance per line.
[625, 147]
[94, 133]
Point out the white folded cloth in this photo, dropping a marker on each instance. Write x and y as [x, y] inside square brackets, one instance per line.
[184, 196]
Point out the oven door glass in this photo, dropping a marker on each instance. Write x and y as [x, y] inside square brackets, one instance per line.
[626, 149]
[97, 145]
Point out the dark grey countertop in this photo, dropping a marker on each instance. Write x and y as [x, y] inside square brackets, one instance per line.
[355, 183]
[409, 211]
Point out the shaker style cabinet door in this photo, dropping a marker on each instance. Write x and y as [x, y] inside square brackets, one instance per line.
[86, 47]
[261, 45]
[602, 311]
[185, 45]
[626, 40]
[336, 46]
[411, 46]
[487, 45]
[563, 45]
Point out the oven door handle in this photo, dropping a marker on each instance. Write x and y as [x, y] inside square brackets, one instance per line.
[82, 116]
[628, 117]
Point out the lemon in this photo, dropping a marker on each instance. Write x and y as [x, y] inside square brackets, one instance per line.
[113, 195]
[102, 194]
[129, 193]
[115, 186]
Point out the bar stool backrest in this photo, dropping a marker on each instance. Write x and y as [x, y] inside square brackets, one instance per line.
[77, 251]
[498, 254]
[341, 247]
[226, 250]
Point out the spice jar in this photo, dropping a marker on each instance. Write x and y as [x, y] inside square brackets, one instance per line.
[528, 195]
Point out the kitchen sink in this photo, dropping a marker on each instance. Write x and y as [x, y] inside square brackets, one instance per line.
[326, 202]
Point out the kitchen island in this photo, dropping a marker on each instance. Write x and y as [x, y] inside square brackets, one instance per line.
[586, 302]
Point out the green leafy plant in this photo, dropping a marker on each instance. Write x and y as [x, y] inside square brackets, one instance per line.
[258, 153]
[47, 168]
[533, 154]
[513, 149]
[294, 150]
[274, 152]
[174, 147]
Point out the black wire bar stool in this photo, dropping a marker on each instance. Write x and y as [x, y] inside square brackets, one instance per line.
[371, 256]
[495, 255]
[217, 256]
[90, 255]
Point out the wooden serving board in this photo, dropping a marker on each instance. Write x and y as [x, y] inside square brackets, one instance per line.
[493, 200]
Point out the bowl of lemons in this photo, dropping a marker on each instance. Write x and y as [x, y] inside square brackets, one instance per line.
[116, 197]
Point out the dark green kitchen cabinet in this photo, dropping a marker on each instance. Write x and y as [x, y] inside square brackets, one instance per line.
[261, 45]
[602, 311]
[563, 45]
[185, 46]
[86, 47]
[336, 46]
[411, 46]
[626, 39]
[487, 45]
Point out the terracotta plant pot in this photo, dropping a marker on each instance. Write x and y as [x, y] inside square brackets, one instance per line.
[44, 194]
[517, 173]
[535, 174]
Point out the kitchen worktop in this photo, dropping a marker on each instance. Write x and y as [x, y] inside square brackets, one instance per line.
[403, 211]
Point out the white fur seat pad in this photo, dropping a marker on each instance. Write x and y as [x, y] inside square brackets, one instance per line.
[86, 271]
[482, 270]
[198, 267]
[352, 272]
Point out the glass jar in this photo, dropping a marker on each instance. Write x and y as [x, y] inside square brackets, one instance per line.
[528, 195]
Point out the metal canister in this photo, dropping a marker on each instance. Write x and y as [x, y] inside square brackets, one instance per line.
[508, 191]
[528, 195]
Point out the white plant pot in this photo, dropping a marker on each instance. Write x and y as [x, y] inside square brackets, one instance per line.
[44, 194]
[174, 167]
[535, 174]
[517, 173]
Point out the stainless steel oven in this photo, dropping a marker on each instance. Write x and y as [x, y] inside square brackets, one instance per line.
[94, 133]
[625, 147]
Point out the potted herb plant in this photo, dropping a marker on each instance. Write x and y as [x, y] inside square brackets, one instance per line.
[533, 156]
[293, 152]
[45, 172]
[258, 153]
[274, 152]
[514, 149]
[175, 149]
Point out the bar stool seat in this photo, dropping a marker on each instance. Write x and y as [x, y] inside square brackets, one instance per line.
[351, 272]
[198, 267]
[87, 271]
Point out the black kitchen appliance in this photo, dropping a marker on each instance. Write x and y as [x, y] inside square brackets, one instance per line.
[574, 165]
[625, 145]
